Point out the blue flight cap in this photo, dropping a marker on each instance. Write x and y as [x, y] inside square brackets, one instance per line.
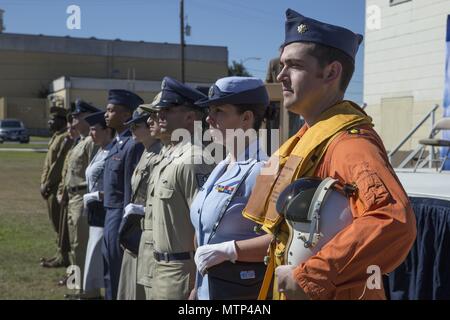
[236, 91]
[303, 29]
[96, 118]
[139, 115]
[175, 93]
[82, 106]
[124, 98]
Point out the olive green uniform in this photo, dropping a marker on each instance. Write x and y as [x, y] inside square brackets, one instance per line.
[58, 147]
[63, 231]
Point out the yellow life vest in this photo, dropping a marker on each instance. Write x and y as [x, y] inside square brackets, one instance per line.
[298, 157]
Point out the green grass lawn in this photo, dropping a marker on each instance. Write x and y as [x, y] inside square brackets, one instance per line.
[22, 146]
[25, 231]
[37, 143]
[39, 139]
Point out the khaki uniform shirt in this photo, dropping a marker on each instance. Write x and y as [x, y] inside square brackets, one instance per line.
[142, 172]
[62, 188]
[58, 147]
[174, 184]
[146, 261]
[78, 161]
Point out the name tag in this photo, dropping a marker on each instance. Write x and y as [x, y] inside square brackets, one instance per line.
[246, 275]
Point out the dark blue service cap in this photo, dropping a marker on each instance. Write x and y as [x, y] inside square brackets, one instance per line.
[175, 93]
[152, 107]
[125, 98]
[236, 91]
[139, 115]
[96, 118]
[303, 29]
[82, 106]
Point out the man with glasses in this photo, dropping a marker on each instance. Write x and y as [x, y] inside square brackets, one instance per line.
[130, 229]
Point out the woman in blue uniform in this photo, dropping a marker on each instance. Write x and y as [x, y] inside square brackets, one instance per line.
[93, 270]
[235, 103]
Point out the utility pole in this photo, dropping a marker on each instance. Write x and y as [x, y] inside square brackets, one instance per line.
[182, 39]
[2, 27]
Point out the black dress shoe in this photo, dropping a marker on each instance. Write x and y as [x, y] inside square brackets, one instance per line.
[44, 259]
[63, 280]
[55, 264]
[84, 296]
[72, 296]
[81, 296]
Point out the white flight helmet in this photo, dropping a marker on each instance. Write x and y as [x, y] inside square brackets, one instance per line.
[315, 211]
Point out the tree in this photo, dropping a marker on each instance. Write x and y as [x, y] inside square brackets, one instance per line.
[238, 69]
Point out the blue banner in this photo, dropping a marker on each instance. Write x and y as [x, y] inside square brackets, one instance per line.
[446, 134]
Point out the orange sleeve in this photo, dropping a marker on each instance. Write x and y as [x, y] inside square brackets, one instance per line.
[384, 227]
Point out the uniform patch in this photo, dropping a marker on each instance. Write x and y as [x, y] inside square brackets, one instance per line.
[225, 189]
[371, 190]
[201, 179]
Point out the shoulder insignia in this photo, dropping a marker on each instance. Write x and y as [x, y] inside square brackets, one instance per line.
[354, 131]
[302, 28]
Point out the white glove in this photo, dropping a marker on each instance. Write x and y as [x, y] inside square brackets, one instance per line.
[89, 197]
[132, 208]
[211, 254]
[287, 284]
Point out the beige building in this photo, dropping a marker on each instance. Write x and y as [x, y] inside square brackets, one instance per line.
[34, 66]
[95, 90]
[404, 65]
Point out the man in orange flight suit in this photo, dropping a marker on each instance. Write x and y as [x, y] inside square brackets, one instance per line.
[337, 141]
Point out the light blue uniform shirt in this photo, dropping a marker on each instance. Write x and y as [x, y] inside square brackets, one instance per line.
[94, 171]
[210, 200]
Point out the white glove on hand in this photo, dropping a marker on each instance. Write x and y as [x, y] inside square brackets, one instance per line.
[211, 254]
[89, 197]
[288, 285]
[132, 208]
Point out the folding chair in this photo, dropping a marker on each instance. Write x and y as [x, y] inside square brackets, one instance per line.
[443, 124]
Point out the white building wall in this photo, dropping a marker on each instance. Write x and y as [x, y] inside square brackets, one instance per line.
[404, 63]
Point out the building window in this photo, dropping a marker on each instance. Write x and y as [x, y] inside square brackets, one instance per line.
[396, 2]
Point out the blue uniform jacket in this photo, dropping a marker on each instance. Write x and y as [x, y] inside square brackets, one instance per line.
[119, 166]
[213, 196]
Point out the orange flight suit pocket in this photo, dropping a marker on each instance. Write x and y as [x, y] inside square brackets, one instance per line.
[372, 192]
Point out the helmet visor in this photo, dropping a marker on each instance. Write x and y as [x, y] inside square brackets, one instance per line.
[295, 200]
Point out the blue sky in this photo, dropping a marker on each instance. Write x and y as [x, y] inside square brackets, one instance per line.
[250, 29]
